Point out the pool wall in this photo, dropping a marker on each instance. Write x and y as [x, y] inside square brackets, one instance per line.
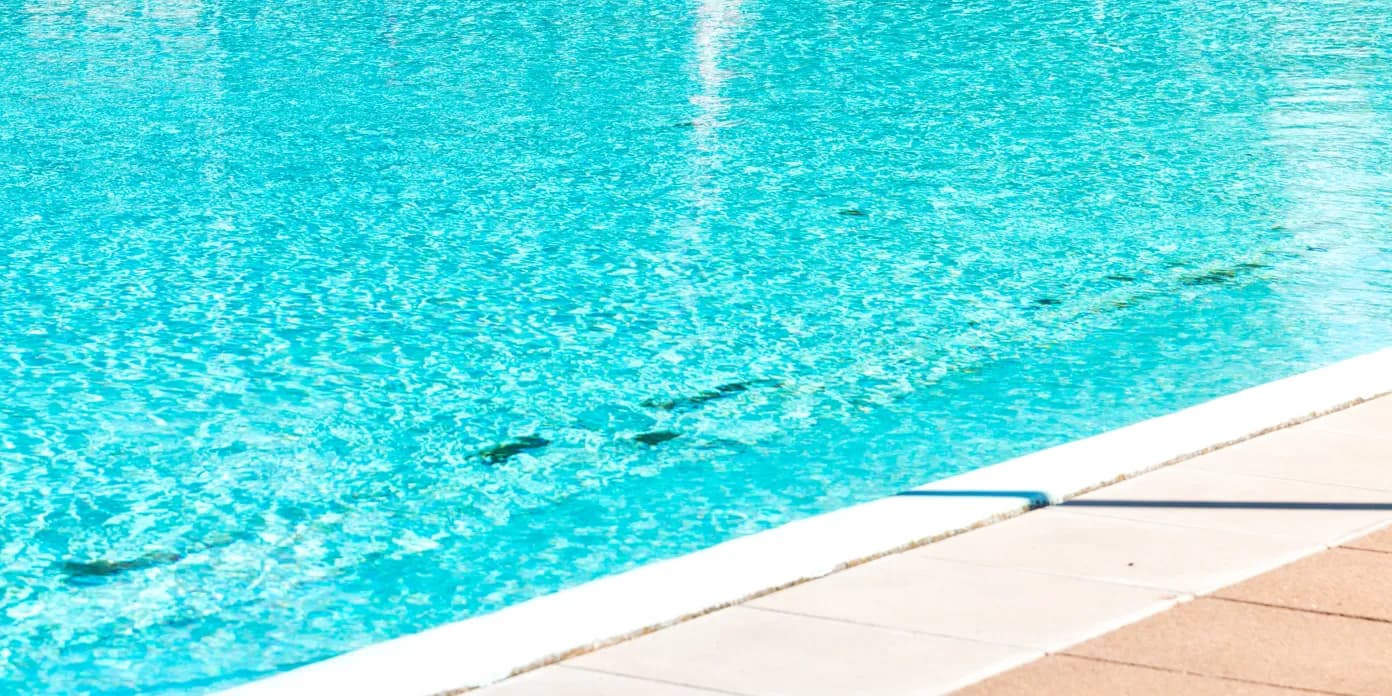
[485, 649]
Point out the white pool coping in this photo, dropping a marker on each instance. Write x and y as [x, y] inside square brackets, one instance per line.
[479, 651]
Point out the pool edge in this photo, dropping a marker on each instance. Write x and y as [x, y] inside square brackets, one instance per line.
[478, 651]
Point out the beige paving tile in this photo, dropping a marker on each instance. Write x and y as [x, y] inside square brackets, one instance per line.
[1308, 453]
[565, 681]
[1065, 675]
[1256, 643]
[1369, 418]
[1186, 559]
[1181, 495]
[1377, 541]
[1339, 581]
[1001, 605]
[770, 653]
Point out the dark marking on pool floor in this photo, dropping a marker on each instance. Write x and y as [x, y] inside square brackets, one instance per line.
[721, 392]
[1218, 276]
[500, 453]
[100, 570]
[656, 437]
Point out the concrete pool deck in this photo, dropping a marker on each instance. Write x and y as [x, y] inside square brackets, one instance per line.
[949, 583]
[1168, 545]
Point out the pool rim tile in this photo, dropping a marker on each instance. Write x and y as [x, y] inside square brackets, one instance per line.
[990, 658]
[1130, 603]
[1193, 579]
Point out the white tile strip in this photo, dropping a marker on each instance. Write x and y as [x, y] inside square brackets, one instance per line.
[485, 649]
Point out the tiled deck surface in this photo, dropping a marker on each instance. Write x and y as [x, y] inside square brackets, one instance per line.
[1180, 545]
[1320, 625]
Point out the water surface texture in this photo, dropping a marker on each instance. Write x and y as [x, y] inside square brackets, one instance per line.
[326, 322]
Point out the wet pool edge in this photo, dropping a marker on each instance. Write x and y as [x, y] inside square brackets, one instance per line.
[481, 650]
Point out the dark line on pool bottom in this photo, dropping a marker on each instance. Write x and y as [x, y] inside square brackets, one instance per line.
[723, 391]
[100, 570]
[498, 454]
[656, 437]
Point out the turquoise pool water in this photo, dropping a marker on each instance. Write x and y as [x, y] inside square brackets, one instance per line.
[328, 322]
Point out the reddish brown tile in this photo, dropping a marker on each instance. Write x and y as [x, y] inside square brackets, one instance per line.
[1340, 581]
[1256, 643]
[1065, 675]
[1377, 541]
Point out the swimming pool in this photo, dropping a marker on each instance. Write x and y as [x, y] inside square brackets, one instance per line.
[323, 325]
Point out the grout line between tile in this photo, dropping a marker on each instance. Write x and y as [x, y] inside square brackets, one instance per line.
[896, 629]
[1331, 541]
[983, 675]
[566, 665]
[1185, 595]
[1363, 533]
[1100, 627]
[1203, 674]
[1190, 466]
[1293, 479]
[1027, 570]
[1363, 549]
[1302, 610]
